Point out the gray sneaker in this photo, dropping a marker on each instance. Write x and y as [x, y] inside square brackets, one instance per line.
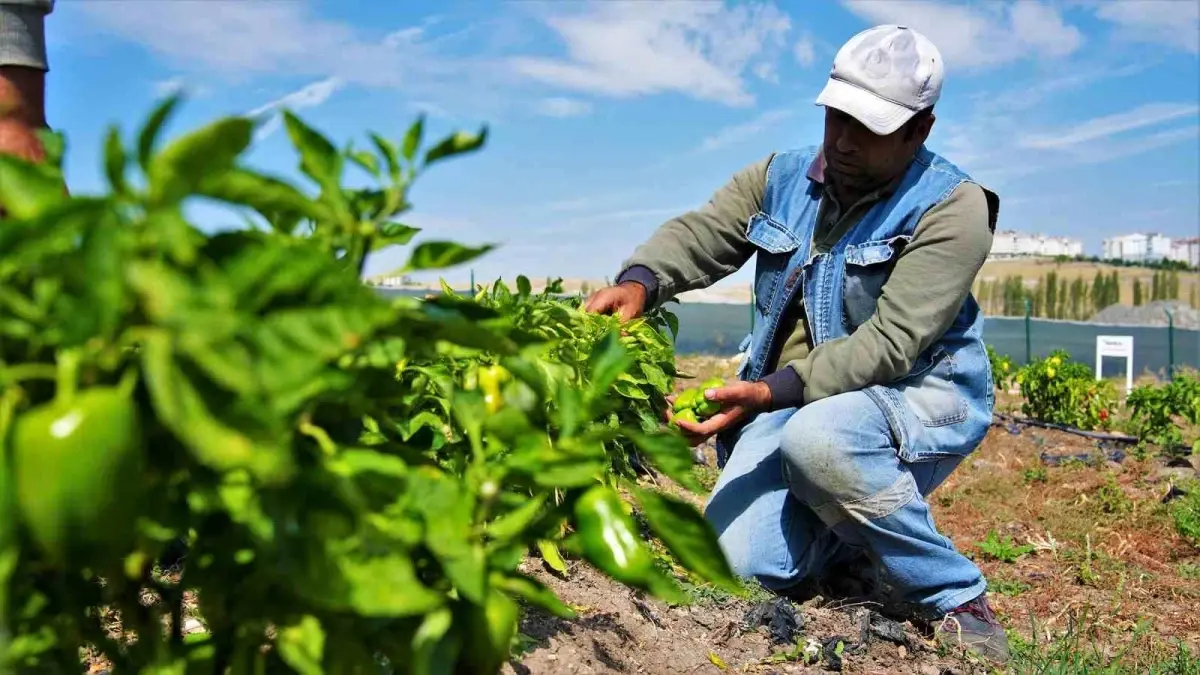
[973, 626]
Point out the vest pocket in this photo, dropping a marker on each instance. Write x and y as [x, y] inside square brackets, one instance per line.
[775, 245]
[867, 267]
[931, 391]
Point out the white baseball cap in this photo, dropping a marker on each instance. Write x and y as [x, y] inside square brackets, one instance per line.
[883, 76]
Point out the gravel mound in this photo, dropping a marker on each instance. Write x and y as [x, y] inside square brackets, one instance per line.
[1152, 314]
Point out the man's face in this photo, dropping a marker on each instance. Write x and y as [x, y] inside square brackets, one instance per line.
[858, 159]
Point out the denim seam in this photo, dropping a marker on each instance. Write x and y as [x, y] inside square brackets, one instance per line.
[872, 507]
[962, 597]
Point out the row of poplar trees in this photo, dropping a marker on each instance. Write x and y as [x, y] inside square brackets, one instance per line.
[1053, 297]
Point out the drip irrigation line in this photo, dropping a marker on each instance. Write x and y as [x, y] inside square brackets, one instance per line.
[1094, 435]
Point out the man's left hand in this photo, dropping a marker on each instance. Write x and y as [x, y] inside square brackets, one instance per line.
[738, 401]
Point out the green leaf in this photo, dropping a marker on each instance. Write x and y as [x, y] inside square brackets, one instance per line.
[150, 131]
[369, 162]
[669, 452]
[553, 557]
[435, 647]
[515, 522]
[115, 160]
[396, 234]
[389, 152]
[688, 536]
[346, 576]
[533, 591]
[456, 144]
[187, 161]
[440, 254]
[302, 644]
[182, 409]
[412, 139]
[608, 360]
[269, 196]
[319, 159]
[27, 189]
[54, 145]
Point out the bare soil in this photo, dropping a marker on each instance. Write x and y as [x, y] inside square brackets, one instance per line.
[1106, 580]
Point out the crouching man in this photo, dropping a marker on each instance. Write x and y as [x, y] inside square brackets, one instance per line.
[866, 381]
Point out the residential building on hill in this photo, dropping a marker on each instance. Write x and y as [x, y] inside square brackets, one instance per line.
[1138, 247]
[1012, 244]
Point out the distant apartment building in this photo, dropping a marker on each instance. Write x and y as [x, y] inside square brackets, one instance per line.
[391, 282]
[1011, 244]
[1186, 251]
[1138, 247]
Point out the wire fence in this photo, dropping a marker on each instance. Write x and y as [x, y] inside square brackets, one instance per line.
[718, 329]
[713, 329]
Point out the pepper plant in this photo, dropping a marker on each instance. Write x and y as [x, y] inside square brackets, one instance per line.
[356, 478]
[1156, 411]
[1061, 391]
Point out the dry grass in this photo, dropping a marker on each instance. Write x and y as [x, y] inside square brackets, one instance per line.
[1109, 579]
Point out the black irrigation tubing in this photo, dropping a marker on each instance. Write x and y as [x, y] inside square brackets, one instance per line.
[1094, 435]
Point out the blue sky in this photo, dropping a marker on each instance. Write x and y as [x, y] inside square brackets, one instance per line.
[607, 118]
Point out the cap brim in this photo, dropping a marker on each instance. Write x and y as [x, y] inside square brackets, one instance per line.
[879, 115]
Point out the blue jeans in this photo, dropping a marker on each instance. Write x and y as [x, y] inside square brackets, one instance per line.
[804, 489]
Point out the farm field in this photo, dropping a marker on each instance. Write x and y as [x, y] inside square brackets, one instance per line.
[1090, 572]
[224, 453]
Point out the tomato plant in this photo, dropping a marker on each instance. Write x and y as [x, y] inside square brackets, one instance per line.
[356, 478]
[1061, 391]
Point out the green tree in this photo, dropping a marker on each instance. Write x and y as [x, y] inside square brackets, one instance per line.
[1051, 311]
[1114, 288]
[1061, 311]
[1192, 297]
[1137, 291]
[1173, 285]
[1099, 288]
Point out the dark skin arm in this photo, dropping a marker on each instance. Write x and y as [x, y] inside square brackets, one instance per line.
[22, 111]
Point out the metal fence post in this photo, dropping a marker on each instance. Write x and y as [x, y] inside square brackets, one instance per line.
[1028, 339]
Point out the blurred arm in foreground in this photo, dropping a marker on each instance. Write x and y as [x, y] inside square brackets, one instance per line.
[23, 68]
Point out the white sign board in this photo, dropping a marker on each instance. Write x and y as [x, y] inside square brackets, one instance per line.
[1119, 346]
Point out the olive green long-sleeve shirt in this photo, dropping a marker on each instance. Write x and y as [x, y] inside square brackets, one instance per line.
[930, 281]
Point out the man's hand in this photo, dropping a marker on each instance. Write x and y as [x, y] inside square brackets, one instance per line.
[627, 300]
[738, 401]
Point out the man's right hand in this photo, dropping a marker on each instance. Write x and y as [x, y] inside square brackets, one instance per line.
[627, 300]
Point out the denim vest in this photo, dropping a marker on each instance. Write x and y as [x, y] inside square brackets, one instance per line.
[943, 406]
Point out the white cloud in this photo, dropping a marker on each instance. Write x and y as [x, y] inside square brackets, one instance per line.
[1029, 94]
[1173, 22]
[699, 49]
[1109, 125]
[1107, 152]
[805, 51]
[739, 132]
[979, 36]
[309, 96]
[247, 40]
[563, 107]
